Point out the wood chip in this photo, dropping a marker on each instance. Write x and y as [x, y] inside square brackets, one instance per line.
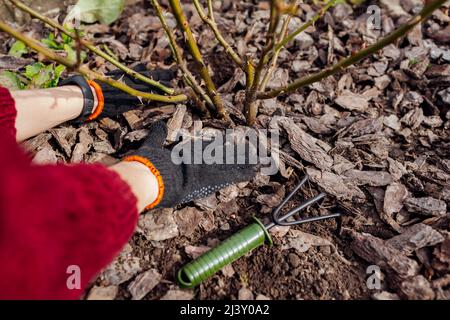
[306, 146]
[384, 295]
[415, 237]
[158, 225]
[103, 293]
[396, 169]
[228, 271]
[65, 137]
[178, 295]
[46, 155]
[103, 147]
[83, 146]
[194, 252]
[137, 135]
[341, 164]
[9, 62]
[175, 123]
[417, 288]
[371, 178]
[133, 119]
[274, 199]
[426, 206]
[207, 203]
[228, 194]
[335, 185]
[352, 101]
[34, 144]
[109, 125]
[144, 283]
[245, 294]
[302, 241]
[374, 250]
[395, 194]
[188, 219]
[121, 270]
[392, 122]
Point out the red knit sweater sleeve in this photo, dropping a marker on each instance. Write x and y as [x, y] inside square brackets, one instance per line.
[56, 221]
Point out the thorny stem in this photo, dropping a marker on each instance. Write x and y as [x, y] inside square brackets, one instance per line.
[78, 48]
[92, 47]
[305, 26]
[196, 54]
[178, 56]
[250, 70]
[251, 110]
[251, 105]
[210, 21]
[211, 10]
[392, 37]
[276, 52]
[50, 54]
[270, 40]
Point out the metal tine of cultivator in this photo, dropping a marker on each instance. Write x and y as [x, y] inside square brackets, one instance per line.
[281, 221]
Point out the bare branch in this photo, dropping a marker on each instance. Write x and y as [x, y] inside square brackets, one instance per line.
[196, 54]
[78, 48]
[251, 105]
[276, 53]
[392, 37]
[211, 10]
[50, 54]
[210, 21]
[305, 26]
[92, 47]
[178, 56]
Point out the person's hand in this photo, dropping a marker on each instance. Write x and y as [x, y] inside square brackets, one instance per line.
[181, 183]
[114, 101]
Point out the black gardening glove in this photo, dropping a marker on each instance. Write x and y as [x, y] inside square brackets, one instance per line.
[116, 101]
[186, 182]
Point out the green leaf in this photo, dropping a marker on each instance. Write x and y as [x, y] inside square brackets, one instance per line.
[83, 56]
[59, 70]
[18, 49]
[33, 69]
[57, 75]
[71, 54]
[90, 11]
[44, 78]
[10, 80]
[66, 39]
[51, 42]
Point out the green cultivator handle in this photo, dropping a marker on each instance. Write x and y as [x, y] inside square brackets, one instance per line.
[238, 245]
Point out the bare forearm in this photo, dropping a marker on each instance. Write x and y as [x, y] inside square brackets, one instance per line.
[40, 110]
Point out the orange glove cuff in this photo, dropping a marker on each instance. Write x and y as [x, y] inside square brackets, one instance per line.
[155, 171]
[100, 98]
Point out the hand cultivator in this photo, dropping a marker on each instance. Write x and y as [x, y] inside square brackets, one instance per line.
[247, 239]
